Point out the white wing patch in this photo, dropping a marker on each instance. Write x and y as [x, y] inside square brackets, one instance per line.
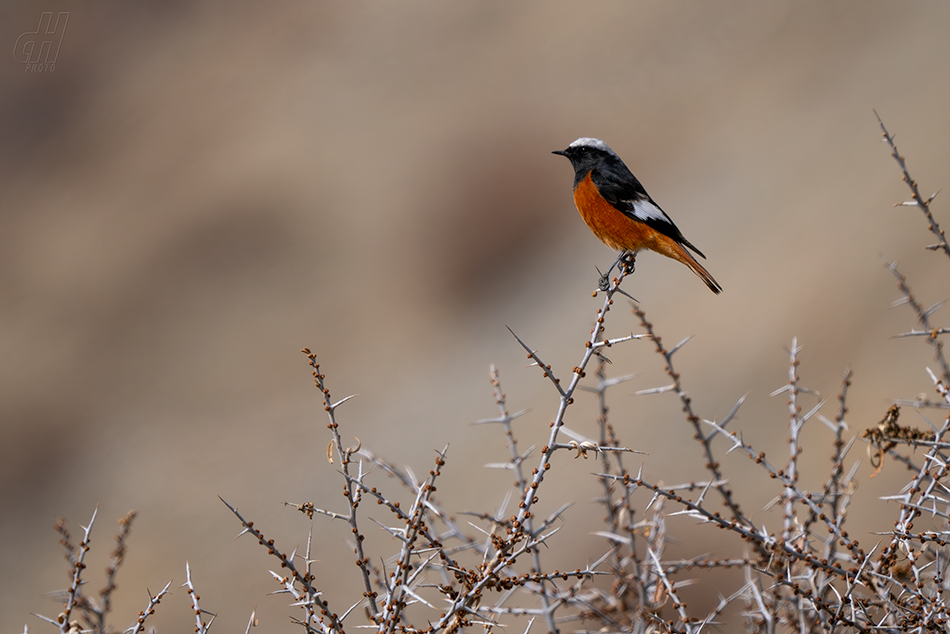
[645, 210]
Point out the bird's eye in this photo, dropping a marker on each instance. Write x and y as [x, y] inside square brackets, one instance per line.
[582, 150]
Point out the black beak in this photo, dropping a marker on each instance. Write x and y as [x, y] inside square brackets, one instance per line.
[561, 152]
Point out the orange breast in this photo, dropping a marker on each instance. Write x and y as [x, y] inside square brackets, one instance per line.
[613, 227]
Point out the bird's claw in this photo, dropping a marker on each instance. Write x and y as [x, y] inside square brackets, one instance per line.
[629, 263]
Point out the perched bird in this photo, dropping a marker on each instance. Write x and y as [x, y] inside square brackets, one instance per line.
[620, 212]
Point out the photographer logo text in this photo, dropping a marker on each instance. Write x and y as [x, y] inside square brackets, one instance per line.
[37, 50]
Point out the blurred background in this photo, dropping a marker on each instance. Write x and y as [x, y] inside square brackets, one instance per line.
[193, 192]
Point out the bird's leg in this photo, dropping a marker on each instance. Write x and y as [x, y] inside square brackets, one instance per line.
[629, 261]
[604, 282]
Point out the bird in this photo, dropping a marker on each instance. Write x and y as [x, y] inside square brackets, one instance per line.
[620, 212]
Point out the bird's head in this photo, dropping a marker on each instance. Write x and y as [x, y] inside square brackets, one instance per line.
[587, 153]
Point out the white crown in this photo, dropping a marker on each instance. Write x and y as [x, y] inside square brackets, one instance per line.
[594, 143]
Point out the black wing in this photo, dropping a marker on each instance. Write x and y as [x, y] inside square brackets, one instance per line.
[627, 195]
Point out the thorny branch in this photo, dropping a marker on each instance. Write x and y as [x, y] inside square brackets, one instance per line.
[916, 198]
[806, 574]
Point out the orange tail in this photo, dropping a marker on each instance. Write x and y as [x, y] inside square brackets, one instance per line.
[678, 252]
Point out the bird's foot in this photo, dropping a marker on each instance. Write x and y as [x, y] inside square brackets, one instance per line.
[629, 262]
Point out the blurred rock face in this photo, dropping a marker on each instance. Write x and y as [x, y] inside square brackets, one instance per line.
[194, 193]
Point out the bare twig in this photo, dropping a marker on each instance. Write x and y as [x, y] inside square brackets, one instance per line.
[916, 198]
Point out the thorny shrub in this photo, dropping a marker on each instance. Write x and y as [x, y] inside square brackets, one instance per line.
[806, 575]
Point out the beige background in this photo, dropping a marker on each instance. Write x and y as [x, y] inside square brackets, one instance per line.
[196, 192]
